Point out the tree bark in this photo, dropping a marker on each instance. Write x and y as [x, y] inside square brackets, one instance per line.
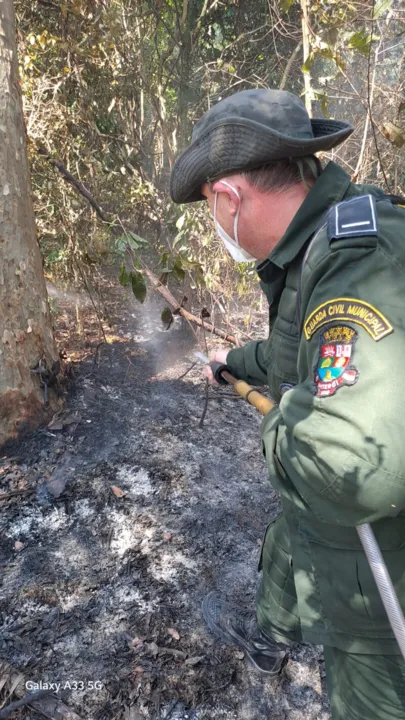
[26, 339]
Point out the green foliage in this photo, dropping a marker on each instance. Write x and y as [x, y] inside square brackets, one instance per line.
[167, 317]
[285, 5]
[306, 67]
[55, 256]
[129, 240]
[138, 285]
[361, 41]
[381, 6]
[113, 89]
[124, 276]
[322, 97]
[179, 265]
[136, 280]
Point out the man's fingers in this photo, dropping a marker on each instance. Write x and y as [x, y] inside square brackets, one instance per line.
[219, 355]
[207, 373]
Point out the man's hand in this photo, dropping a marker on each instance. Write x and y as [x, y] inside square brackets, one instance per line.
[218, 356]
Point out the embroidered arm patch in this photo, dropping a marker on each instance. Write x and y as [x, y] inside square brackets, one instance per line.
[333, 369]
[353, 310]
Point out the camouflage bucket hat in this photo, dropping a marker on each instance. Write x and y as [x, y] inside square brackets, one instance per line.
[246, 130]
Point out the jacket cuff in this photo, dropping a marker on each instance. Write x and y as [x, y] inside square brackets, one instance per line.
[236, 361]
[248, 362]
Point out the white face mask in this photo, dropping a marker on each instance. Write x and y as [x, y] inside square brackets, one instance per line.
[233, 247]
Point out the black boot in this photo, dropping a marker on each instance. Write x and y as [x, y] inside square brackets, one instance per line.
[228, 624]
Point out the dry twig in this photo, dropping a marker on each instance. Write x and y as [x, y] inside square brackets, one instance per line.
[187, 371]
[81, 189]
[13, 493]
[27, 700]
[201, 423]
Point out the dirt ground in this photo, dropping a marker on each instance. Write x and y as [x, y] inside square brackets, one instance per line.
[129, 513]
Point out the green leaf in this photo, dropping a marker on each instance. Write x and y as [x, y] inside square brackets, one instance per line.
[164, 259]
[285, 5]
[167, 316]
[308, 63]
[131, 239]
[393, 133]
[361, 41]
[329, 54]
[178, 237]
[124, 276]
[381, 7]
[322, 98]
[138, 285]
[135, 240]
[178, 269]
[180, 221]
[121, 244]
[139, 239]
[324, 106]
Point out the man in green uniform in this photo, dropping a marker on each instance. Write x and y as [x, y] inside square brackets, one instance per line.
[332, 265]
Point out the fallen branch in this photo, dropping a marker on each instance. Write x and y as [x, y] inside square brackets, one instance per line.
[43, 702]
[178, 310]
[155, 282]
[29, 698]
[53, 709]
[172, 651]
[14, 493]
[73, 181]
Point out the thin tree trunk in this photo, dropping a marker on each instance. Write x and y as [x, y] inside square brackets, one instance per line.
[26, 339]
[358, 168]
[306, 43]
[289, 65]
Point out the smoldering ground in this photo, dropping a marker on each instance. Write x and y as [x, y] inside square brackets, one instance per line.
[102, 578]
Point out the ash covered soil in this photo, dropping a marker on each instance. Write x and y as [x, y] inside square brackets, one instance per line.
[129, 514]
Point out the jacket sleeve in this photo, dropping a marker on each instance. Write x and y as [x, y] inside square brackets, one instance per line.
[249, 362]
[343, 454]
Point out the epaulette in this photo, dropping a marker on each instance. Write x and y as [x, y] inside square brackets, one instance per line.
[396, 200]
[353, 218]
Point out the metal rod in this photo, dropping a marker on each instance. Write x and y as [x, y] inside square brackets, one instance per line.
[384, 584]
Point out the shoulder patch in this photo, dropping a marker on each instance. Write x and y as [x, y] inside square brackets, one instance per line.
[333, 369]
[353, 218]
[352, 310]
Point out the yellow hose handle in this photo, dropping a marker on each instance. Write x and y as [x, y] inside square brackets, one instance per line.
[254, 397]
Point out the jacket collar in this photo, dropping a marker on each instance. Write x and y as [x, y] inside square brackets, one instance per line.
[329, 189]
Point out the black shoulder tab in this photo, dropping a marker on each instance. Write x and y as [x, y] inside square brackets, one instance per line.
[395, 200]
[353, 218]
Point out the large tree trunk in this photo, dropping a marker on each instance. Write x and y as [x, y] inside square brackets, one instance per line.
[26, 337]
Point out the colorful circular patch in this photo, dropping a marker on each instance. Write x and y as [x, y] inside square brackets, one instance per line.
[333, 369]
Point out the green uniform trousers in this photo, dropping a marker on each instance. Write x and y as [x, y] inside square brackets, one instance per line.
[360, 687]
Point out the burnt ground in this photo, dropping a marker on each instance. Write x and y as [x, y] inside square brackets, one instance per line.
[102, 581]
